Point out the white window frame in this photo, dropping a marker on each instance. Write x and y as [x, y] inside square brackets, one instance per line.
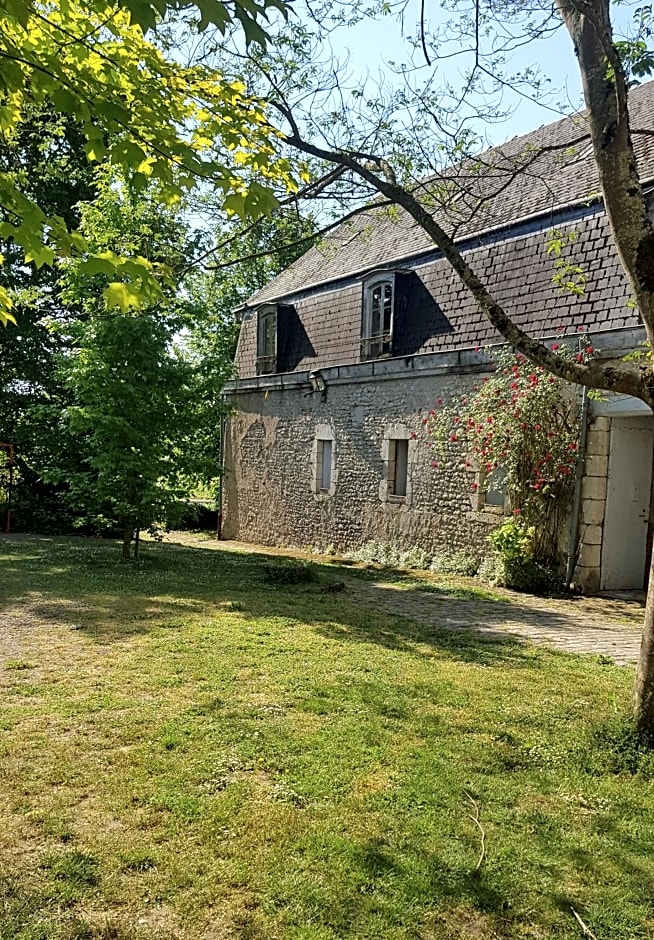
[378, 344]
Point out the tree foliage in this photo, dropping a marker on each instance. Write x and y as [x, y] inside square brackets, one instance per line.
[46, 158]
[131, 407]
[137, 108]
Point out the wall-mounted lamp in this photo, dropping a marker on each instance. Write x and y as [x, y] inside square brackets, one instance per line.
[318, 384]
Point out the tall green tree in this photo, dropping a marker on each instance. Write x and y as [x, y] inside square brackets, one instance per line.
[131, 408]
[130, 392]
[46, 156]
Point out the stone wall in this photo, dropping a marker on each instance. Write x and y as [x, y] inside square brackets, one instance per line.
[271, 496]
[271, 443]
[593, 505]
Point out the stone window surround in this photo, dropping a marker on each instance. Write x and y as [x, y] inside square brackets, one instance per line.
[323, 432]
[482, 511]
[481, 493]
[395, 432]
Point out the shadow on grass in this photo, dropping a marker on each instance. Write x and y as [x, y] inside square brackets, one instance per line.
[84, 584]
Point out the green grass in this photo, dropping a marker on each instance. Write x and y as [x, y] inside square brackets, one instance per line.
[192, 748]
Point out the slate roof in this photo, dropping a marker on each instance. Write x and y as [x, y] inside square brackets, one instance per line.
[531, 176]
[442, 315]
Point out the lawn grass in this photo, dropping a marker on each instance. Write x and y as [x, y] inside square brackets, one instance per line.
[193, 748]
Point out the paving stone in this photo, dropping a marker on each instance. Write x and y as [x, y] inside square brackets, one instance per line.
[561, 624]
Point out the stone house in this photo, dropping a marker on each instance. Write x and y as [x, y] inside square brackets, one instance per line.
[341, 356]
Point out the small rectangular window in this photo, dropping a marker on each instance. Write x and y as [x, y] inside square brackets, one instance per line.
[398, 467]
[325, 465]
[494, 489]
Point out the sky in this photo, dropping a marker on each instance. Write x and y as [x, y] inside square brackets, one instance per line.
[372, 44]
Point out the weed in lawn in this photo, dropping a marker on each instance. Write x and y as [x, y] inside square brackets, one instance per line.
[69, 876]
[137, 862]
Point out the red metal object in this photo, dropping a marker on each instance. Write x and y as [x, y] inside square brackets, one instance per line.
[10, 455]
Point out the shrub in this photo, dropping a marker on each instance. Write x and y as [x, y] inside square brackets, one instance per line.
[513, 541]
[461, 563]
[375, 553]
[391, 557]
[415, 558]
[525, 574]
[288, 572]
[512, 563]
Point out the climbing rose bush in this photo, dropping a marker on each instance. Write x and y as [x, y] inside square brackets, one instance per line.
[515, 424]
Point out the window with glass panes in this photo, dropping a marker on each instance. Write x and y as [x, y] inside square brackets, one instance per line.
[377, 320]
[267, 340]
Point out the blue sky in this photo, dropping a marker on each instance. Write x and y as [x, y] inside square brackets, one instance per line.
[373, 43]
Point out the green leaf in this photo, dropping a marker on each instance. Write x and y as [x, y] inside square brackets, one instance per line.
[253, 32]
[235, 204]
[40, 254]
[141, 13]
[124, 296]
[212, 11]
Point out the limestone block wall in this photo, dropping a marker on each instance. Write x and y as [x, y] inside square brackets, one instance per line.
[270, 492]
[593, 505]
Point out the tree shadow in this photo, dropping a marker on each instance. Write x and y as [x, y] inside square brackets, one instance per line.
[86, 585]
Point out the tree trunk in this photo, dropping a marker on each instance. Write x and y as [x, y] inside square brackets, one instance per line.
[643, 692]
[643, 699]
[127, 539]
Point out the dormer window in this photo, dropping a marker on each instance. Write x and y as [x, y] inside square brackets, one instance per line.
[267, 339]
[377, 315]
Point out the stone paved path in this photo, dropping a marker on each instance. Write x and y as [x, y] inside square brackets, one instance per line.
[579, 625]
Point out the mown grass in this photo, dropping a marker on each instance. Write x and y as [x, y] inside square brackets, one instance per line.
[193, 748]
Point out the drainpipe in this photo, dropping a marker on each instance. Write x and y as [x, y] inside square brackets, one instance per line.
[576, 499]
